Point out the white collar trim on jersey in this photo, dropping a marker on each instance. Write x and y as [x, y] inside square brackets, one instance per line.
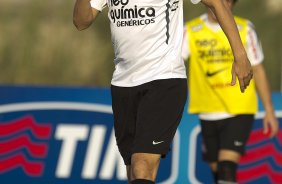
[212, 25]
[195, 1]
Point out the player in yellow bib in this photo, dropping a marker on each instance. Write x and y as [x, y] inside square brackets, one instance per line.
[226, 114]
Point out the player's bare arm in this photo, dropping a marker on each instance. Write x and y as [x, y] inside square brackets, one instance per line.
[241, 66]
[83, 14]
[270, 122]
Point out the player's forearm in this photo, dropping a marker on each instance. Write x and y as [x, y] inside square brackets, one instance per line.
[82, 14]
[227, 22]
[262, 86]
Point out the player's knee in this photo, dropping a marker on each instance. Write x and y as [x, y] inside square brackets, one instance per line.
[227, 172]
[144, 167]
[140, 170]
[231, 155]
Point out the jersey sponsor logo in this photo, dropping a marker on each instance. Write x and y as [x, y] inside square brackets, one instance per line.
[210, 74]
[122, 15]
[209, 50]
[215, 55]
[206, 43]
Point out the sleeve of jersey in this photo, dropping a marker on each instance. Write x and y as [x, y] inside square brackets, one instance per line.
[254, 49]
[185, 45]
[195, 1]
[98, 4]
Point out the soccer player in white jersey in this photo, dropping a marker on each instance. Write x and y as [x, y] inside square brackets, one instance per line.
[149, 82]
[226, 115]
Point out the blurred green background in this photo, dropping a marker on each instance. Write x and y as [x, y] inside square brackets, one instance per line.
[40, 46]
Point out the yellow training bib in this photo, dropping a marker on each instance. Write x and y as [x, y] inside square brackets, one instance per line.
[209, 72]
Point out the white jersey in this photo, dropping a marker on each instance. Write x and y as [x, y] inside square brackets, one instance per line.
[147, 40]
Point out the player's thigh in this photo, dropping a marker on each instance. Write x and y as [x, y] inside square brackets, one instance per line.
[210, 142]
[124, 105]
[236, 133]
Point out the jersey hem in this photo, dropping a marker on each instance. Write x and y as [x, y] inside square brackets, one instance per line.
[120, 84]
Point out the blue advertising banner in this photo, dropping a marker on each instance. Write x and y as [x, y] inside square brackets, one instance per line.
[64, 135]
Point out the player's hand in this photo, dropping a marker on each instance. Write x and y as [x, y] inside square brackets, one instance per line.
[270, 124]
[242, 69]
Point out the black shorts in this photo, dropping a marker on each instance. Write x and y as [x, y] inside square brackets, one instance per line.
[146, 117]
[231, 134]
